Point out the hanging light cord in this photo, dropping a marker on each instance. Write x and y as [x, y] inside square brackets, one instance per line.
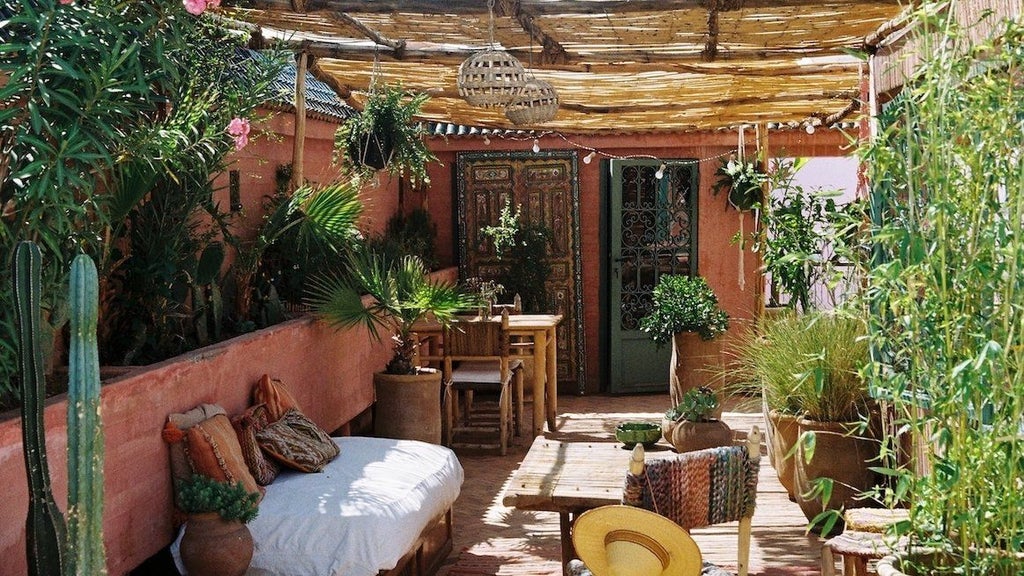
[490, 20]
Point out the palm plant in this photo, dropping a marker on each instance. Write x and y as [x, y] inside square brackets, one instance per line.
[321, 218]
[401, 294]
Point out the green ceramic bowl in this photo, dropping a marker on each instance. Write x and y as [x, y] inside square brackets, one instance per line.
[633, 433]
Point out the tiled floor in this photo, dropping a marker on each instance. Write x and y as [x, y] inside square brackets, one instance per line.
[495, 540]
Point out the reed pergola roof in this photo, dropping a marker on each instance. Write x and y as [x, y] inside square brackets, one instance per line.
[619, 66]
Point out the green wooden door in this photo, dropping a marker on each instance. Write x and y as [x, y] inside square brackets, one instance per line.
[653, 231]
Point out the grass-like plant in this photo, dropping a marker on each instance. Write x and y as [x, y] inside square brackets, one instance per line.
[807, 365]
[201, 494]
[946, 288]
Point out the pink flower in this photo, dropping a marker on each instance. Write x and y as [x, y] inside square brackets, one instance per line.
[239, 128]
[195, 7]
[66, 2]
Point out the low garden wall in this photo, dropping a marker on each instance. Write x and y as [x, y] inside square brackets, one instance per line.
[329, 372]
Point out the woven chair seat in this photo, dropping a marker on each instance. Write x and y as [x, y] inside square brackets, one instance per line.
[482, 372]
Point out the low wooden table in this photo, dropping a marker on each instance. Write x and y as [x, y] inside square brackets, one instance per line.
[571, 478]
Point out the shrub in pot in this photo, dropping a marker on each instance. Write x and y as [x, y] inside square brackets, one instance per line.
[216, 540]
[400, 294]
[692, 424]
[945, 288]
[685, 312]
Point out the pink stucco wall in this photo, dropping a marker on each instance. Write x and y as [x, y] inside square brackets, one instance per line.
[329, 372]
[718, 259]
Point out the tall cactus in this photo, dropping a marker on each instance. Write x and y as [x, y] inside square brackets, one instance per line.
[85, 428]
[46, 532]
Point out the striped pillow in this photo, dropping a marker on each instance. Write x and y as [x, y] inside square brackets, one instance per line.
[246, 424]
[278, 399]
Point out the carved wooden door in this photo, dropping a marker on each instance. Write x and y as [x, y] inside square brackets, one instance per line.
[544, 186]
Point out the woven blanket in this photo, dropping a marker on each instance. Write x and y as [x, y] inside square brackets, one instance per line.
[698, 488]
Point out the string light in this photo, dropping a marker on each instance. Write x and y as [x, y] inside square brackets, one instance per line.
[810, 128]
[528, 135]
[661, 172]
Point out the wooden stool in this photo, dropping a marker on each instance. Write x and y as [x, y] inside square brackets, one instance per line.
[856, 548]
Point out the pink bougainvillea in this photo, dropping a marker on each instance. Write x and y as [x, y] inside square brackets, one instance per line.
[238, 129]
[195, 7]
[66, 2]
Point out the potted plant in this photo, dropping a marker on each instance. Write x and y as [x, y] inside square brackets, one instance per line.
[217, 541]
[398, 294]
[385, 134]
[693, 424]
[810, 370]
[685, 312]
[742, 180]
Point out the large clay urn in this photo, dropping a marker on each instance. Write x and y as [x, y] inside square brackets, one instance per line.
[694, 360]
[213, 546]
[408, 406]
[843, 456]
[784, 433]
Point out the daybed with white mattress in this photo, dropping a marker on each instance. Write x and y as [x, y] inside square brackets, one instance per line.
[382, 507]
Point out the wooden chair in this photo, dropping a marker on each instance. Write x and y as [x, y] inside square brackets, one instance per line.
[697, 489]
[477, 357]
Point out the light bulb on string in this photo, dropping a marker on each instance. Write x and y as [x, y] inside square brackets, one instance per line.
[810, 128]
[661, 172]
[589, 157]
[536, 145]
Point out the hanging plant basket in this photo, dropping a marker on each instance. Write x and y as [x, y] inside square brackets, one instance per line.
[742, 181]
[373, 150]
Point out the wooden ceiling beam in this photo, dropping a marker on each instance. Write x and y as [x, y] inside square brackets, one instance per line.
[552, 52]
[396, 46]
[543, 7]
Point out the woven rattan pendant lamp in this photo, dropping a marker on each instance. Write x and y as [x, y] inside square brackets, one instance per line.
[491, 77]
[536, 103]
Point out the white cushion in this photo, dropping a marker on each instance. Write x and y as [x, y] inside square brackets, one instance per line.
[482, 371]
[356, 517]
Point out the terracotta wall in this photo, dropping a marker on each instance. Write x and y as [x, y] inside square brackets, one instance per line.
[272, 147]
[718, 259]
[329, 372]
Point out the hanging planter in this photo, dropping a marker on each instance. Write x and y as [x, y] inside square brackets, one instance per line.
[386, 135]
[742, 181]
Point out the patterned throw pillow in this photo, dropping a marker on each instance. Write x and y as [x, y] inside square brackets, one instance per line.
[174, 434]
[277, 398]
[213, 450]
[295, 441]
[246, 424]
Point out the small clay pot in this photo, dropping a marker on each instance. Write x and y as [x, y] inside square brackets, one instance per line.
[213, 546]
[689, 436]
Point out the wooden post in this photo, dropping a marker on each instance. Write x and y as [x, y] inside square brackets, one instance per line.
[300, 119]
[762, 159]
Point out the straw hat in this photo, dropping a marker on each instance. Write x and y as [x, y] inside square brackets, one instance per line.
[629, 541]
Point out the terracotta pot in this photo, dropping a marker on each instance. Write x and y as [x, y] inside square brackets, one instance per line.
[783, 435]
[838, 455]
[691, 436]
[213, 546]
[408, 406]
[694, 360]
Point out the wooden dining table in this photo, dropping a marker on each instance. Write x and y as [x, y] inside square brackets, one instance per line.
[540, 329]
